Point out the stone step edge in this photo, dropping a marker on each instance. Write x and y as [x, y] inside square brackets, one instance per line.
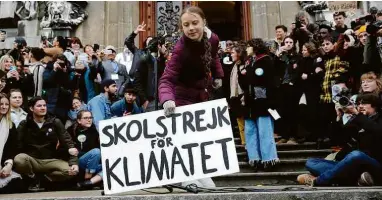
[265, 174]
[296, 151]
[284, 161]
[284, 144]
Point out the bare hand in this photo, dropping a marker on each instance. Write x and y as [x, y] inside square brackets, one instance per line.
[303, 27]
[6, 171]
[14, 74]
[292, 26]
[56, 66]
[145, 105]
[140, 28]
[352, 110]
[73, 170]
[318, 69]
[126, 113]
[73, 151]
[304, 76]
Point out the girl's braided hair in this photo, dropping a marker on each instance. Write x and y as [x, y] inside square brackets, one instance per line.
[206, 57]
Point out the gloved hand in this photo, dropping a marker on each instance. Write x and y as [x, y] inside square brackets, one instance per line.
[217, 83]
[169, 107]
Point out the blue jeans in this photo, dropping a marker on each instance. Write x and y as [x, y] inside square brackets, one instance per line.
[259, 139]
[91, 162]
[346, 171]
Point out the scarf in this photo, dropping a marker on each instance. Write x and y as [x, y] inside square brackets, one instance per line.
[234, 83]
[4, 127]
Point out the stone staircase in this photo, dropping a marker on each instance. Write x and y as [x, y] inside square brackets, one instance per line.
[292, 163]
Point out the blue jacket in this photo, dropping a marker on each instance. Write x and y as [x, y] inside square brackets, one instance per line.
[99, 106]
[119, 107]
[72, 114]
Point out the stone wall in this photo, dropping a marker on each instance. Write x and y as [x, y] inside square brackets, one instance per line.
[268, 14]
[109, 23]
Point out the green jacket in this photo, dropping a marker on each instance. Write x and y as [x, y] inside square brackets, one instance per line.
[41, 143]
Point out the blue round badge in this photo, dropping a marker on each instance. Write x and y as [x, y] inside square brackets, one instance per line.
[259, 71]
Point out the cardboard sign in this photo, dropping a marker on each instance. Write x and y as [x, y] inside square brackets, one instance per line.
[337, 6]
[149, 149]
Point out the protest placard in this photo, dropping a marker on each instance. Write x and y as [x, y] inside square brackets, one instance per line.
[336, 6]
[149, 150]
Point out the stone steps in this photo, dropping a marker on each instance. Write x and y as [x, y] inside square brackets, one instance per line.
[297, 154]
[259, 178]
[292, 163]
[304, 146]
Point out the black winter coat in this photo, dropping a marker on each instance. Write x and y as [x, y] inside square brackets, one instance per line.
[10, 149]
[42, 142]
[258, 86]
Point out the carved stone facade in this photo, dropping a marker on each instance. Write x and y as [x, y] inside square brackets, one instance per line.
[62, 15]
[110, 22]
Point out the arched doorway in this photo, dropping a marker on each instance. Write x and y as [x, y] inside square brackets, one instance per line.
[235, 15]
[223, 18]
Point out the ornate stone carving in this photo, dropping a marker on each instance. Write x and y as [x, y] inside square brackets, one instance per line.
[26, 10]
[63, 14]
[315, 9]
[168, 14]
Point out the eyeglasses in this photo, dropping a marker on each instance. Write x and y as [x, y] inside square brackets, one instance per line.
[87, 118]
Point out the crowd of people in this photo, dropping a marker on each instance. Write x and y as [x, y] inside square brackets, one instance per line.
[311, 83]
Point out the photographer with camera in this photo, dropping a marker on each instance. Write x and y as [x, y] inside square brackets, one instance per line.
[362, 163]
[302, 30]
[371, 53]
[56, 87]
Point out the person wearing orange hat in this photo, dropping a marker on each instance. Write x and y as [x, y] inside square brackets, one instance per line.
[362, 34]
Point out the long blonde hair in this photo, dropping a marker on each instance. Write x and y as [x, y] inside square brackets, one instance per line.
[8, 114]
[374, 77]
[3, 59]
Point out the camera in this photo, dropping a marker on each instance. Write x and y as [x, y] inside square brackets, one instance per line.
[342, 96]
[374, 27]
[371, 18]
[298, 24]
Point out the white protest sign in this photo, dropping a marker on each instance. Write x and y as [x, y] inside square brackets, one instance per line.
[149, 150]
[336, 6]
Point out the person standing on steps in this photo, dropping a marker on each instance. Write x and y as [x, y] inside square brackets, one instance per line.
[193, 69]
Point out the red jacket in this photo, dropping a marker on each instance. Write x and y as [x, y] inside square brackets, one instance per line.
[184, 79]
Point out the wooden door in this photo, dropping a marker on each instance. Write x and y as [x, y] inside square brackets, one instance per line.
[147, 13]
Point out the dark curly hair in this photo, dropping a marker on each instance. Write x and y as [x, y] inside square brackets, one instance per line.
[258, 45]
[242, 53]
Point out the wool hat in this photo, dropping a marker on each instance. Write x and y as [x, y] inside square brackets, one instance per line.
[107, 83]
[335, 14]
[360, 30]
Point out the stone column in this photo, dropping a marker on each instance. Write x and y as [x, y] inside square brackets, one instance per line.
[109, 23]
[266, 15]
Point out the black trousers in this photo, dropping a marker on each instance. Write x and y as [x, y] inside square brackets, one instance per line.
[288, 108]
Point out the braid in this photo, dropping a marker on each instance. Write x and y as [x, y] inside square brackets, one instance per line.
[207, 58]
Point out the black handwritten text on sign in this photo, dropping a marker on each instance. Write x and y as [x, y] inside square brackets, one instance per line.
[337, 6]
[148, 150]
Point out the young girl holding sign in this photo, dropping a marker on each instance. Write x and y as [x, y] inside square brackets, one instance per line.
[194, 64]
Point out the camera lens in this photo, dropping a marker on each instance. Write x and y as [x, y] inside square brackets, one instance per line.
[344, 101]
